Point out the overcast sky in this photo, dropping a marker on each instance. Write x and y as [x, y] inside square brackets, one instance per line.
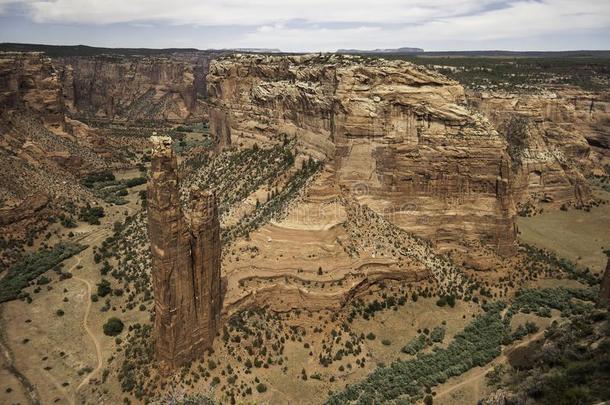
[311, 25]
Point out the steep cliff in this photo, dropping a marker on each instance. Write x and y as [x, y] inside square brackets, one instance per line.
[556, 138]
[40, 148]
[395, 134]
[604, 288]
[185, 263]
[29, 80]
[135, 88]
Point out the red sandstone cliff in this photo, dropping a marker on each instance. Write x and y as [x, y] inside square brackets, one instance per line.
[556, 138]
[121, 88]
[604, 288]
[30, 81]
[397, 133]
[185, 264]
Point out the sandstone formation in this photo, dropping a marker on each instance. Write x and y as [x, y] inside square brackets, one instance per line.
[185, 263]
[396, 134]
[604, 288]
[556, 139]
[26, 209]
[29, 80]
[121, 88]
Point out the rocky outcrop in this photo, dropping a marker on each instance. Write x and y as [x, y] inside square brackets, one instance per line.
[26, 209]
[121, 88]
[399, 136]
[604, 288]
[29, 80]
[185, 263]
[556, 139]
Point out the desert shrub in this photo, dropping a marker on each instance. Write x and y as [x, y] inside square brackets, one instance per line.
[260, 387]
[43, 280]
[68, 222]
[136, 181]
[113, 327]
[438, 334]
[415, 345]
[98, 178]
[91, 215]
[103, 288]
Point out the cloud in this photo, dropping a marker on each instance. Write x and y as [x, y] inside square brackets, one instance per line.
[522, 20]
[325, 25]
[250, 12]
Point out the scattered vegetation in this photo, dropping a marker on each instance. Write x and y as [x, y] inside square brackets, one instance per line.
[23, 273]
[476, 345]
[106, 186]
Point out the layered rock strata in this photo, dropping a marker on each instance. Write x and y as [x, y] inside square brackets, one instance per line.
[120, 88]
[556, 139]
[185, 263]
[28, 80]
[399, 136]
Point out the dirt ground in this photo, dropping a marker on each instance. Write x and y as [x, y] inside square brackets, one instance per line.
[577, 235]
[58, 355]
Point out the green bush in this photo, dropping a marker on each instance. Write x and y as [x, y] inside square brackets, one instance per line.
[98, 178]
[136, 181]
[104, 288]
[113, 327]
[438, 334]
[261, 387]
[91, 215]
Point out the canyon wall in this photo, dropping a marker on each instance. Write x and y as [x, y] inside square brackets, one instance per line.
[131, 88]
[397, 135]
[556, 138]
[29, 80]
[185, 263]
[604, 287]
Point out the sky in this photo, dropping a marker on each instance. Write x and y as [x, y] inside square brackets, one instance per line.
[311, 25]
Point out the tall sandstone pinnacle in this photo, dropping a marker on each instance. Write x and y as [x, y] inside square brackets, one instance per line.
[604, 288]
[185, 263]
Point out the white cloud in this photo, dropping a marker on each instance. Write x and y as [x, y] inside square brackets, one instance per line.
[522, 20]
[249, 12]
[330, 24]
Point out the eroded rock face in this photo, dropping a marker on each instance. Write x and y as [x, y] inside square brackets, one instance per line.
[604, 288]
[555, 139]
[26, 209]
[29, 80]
[399, 136]
[119, 88]
[185, 264]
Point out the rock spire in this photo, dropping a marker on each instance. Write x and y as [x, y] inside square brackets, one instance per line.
[185, 262]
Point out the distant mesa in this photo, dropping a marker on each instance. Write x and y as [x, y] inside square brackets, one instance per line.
[255, 50]
[399, 51]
